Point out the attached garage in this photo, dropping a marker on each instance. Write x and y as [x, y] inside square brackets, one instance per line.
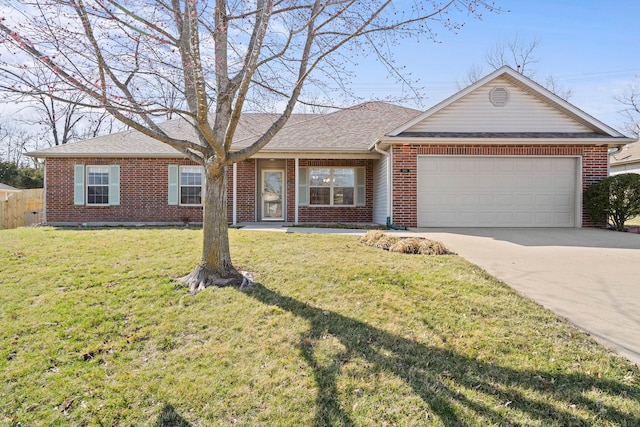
[497, 191]
[503, 152]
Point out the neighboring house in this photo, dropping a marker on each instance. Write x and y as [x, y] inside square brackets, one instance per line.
[5, 190]
[503, 152]
[625, 160]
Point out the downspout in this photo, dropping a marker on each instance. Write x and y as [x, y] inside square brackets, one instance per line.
[235, 194]
[389, 193]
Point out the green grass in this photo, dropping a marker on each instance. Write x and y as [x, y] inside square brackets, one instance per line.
[97, 332]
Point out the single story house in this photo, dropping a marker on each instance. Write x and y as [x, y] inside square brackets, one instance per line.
[625, 160]
[504, 152]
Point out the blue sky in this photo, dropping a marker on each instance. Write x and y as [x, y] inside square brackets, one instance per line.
[591, 47]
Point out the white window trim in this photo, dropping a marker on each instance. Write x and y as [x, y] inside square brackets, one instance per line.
[332, 186]
[87, 185]
[202, 186]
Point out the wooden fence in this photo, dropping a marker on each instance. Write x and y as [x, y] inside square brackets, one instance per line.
[21, 208]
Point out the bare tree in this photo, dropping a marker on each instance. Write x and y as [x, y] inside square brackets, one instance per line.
[517, 53]
[630, 101]
[520, 55]
[14, 142]
[552, 84]
[222, 57]
[59, 121]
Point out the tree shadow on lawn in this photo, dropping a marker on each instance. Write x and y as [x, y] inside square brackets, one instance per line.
[435, 375]
[170, 418]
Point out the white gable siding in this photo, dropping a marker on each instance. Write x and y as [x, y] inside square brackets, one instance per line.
[475, 113]
[380, 191]
[626, 168]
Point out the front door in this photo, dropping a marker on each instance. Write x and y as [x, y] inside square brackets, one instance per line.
[272, 194]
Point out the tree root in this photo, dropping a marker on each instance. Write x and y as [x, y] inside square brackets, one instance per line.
[201, 278]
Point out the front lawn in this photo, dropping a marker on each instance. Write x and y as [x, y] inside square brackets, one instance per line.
[96, 332]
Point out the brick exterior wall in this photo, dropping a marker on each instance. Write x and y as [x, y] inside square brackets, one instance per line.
[143, 193]
[246, 193]
[363, 214]
[405, 197]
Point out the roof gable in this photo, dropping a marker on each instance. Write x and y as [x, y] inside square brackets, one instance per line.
[530, 108]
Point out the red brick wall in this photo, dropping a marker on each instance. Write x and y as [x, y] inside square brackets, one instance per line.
[143, 193]
[144, 187]
[312, 214]
[246, 194]
[405, 198]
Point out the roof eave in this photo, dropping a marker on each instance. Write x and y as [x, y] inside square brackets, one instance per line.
[264, 154]
[44, 155]
[385, 143]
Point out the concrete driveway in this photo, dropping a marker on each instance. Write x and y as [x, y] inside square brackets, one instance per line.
[591, 277]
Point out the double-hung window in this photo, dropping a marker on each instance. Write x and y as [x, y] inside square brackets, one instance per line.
[186, 185]
[191, 185]
[96, 185]
[332, 186]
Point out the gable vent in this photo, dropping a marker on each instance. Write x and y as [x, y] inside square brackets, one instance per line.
[499, 96]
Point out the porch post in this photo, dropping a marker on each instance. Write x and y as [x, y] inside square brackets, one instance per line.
[297, 178]
[235, 194]
[44, 195]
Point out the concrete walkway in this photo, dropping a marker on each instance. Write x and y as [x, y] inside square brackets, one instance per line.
[591, 277]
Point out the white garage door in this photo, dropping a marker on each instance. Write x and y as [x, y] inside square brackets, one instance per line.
[466, 191]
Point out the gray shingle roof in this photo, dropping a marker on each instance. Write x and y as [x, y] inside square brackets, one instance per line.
[7, 187]
[348, 130]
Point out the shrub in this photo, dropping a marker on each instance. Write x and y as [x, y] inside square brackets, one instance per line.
[616, 198]
[371, 237]
[407, 245]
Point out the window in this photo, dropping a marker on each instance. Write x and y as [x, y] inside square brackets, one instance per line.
[334, 186]
[190, 185]
[97, 185]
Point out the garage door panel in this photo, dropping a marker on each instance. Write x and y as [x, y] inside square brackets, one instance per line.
[496, 191]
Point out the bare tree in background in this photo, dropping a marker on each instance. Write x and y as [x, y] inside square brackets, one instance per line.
[221, 57]
[519, 54]
[64, 122]
[58, 121]
[630, 101]
[14, 142]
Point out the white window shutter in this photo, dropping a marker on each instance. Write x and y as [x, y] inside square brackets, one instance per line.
[78, 184]
[173, 197]
[303, 187]
[361, 187]
[114, 185]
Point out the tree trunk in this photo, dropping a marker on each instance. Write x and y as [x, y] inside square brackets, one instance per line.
[215, 268]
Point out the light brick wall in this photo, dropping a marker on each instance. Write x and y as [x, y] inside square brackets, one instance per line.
[405, 197]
